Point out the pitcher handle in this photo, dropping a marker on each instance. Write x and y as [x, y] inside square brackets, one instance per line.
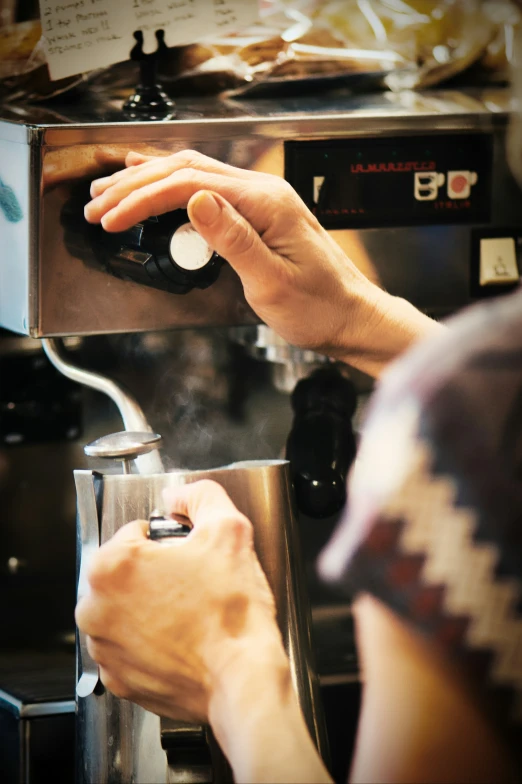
[89, 534]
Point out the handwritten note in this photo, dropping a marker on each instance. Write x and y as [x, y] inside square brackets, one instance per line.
[80, 35]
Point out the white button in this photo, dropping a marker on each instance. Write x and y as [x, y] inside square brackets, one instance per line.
[188, 248]
[498, 261]
[318, 184]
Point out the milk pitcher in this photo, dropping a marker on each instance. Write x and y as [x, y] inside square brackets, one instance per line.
[119, 742]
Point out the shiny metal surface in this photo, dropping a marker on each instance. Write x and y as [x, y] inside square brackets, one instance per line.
[195, 738]
[289, 364]
[262, 342]
[130, 410]
[119, 742]
[126, 444]
[24, 711]
[50, 292]
[86, 120]
[88, 542]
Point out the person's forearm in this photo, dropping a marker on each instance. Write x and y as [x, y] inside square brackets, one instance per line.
[380, 329]
[414, 698]
[257, 721]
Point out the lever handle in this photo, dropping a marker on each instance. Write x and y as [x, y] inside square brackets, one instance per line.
[90, 542]
[162, 527]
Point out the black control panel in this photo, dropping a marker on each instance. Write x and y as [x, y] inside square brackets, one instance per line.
[404, 181]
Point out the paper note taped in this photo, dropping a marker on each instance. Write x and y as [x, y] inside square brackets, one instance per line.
[80, 35]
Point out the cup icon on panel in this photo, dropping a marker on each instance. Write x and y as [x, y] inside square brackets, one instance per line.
[427, 185]
[460, 183]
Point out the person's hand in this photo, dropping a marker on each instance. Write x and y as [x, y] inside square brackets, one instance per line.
[187, 629]
[295, 277]
[167, 622]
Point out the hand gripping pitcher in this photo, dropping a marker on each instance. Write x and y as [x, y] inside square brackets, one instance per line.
[119, 742]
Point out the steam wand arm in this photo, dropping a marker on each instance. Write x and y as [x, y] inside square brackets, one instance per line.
[130, 410]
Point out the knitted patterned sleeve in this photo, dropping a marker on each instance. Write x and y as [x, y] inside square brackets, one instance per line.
[433, 524]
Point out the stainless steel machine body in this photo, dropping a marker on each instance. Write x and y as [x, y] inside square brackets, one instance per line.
[47, 155]
[121, 742]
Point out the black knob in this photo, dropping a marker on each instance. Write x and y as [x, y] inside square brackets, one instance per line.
[321, 445]
[149, 102]
[164, 251]
[162, 527]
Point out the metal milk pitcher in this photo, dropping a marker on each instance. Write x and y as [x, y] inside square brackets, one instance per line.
[117, 741]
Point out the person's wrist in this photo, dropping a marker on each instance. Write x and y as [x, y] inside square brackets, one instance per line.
[249, 680]
[361, 306]
[256, 718]
[243, 663]
[380, 328]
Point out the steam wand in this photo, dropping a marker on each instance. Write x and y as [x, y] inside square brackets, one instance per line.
[134, 420]
[149, 102]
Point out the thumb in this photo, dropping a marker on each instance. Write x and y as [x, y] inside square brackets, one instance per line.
[231, 235]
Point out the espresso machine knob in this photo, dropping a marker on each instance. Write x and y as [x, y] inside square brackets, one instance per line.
[125, 446]
[165, 252]
[163, 527]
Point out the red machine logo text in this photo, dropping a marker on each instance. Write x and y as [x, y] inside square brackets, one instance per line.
[393, 167]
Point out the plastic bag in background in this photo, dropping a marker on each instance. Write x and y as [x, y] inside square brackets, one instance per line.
[293, 42]
[23, 68]
[402, 44]
[19, 48]
[8, 9]
[435, 40]
[286, 51]
[409, 43]
[506, 18]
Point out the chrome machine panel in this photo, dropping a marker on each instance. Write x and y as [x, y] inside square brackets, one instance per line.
[47, 155]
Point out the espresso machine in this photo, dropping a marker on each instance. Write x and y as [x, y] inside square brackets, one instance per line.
[416, 189]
